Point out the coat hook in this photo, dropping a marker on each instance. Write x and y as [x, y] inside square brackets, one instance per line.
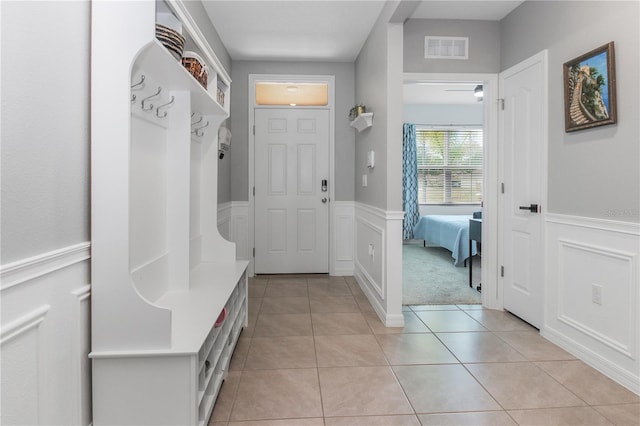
[193, 123]
[198, 131]
[162, 106]
[149, 97]
[133, 96]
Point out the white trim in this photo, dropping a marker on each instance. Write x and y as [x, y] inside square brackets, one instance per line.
[81, 393]
[253, 79]
[16, 273]
[23, 324]
[631, 228]
[491, 289]
[380, 213]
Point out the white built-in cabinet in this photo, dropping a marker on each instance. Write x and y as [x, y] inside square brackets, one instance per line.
[161, 272]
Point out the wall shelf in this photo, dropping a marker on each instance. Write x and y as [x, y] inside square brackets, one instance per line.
[363, 121]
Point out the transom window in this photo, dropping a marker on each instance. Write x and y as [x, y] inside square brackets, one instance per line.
[292, 94]
[449, 165]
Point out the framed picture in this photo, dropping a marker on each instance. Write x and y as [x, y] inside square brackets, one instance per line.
[590, 89]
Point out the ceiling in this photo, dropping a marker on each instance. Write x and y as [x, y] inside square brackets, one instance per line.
[321, 30]
[303, 30]
[334, 31]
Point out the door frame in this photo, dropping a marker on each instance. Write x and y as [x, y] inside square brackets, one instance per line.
[491, 286]
[289, 78]
[542, 57]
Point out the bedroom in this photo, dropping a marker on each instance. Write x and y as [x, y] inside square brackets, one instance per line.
[448, 120]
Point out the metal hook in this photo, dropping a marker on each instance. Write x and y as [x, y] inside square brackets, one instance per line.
[149, 97]
[162, 106]
[133, 96]
[196, 122]
[198, 132]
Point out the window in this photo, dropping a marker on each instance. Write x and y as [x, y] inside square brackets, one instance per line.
[293, 94]
[449, 165]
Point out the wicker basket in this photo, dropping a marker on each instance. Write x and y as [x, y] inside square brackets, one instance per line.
[196, 67]
[171, 39]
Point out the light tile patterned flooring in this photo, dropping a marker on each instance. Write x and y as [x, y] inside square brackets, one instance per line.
[316, 354]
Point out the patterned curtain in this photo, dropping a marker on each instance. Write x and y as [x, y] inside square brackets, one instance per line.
[409, 181]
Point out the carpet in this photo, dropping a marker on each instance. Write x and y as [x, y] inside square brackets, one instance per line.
[429, 277]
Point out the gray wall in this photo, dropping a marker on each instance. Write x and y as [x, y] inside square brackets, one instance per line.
[484, 45]
[593, 172]
[379, 86]
[45, 127]
[344, 134]
[224, 171]
[196, 9]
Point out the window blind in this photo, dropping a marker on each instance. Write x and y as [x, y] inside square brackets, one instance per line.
[449, 165]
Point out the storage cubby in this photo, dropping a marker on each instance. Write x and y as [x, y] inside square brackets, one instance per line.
[161, 272]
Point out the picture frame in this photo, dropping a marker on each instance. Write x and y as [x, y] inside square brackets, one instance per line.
[590, 89]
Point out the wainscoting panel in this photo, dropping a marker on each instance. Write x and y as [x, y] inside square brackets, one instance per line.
[233, 224]
[22, 345]
[342, 239]
[224, 220]
[378, 260]
[240, 228]
[370, 256]
[592, 298]
[45, 338]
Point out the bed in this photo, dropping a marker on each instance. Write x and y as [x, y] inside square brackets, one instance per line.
[448, 231]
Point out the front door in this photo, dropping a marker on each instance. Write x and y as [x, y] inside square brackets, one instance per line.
[291, 190]
[523, 141]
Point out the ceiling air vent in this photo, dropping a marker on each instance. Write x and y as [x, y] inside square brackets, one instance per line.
[440, 47]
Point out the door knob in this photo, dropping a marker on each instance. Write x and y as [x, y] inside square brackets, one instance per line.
[533, 208]
[324, 200]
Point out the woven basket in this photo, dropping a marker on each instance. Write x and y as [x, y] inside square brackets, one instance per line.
[196, 67]
[170, 39]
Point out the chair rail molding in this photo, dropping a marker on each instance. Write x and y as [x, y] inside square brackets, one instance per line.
[24, 270]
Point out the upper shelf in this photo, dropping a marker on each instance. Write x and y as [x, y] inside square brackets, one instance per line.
[156, 60]
[363, 121]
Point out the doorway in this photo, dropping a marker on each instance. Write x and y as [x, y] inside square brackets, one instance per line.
[293, 169]
[524, 153]
[291, 196]
[456, 86]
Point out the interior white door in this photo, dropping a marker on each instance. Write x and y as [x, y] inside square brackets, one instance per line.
[523, 141]
[291, 202]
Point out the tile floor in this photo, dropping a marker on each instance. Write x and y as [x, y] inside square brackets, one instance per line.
[316, 354]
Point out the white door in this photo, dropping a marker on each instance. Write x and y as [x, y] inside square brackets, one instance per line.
[291, 204]
[523, 127]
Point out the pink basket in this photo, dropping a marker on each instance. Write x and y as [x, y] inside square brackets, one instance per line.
[221, 318]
